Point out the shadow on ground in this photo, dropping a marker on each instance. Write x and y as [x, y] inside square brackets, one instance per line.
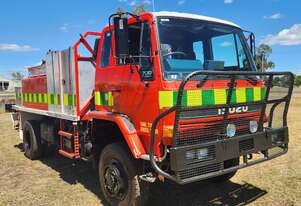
[196, 194]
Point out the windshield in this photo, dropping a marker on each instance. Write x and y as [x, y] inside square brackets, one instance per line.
[188, 45]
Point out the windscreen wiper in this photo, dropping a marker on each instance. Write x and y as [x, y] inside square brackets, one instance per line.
[251, 80]
[202, 81]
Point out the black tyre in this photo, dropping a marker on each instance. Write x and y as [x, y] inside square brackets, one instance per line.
[31, 140]
[119, 182]
[228, 176]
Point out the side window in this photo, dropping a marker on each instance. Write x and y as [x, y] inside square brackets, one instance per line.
[134, 42]
[198, 49]
[106, 50]
[224, 49]
[145, 47]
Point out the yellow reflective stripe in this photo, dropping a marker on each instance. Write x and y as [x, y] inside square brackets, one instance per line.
[110, 99]
[35, 98]
[74, 100]
[194, 98]
[30, 98]
[220, 96]
[241, 96]
[56, 99]
[66, 99]
[165, 99]
[26, 97]
[40, 98]
[45, 98]
[97, 98]
[257, 93]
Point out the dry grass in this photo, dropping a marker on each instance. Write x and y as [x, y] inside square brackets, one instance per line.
[58, 181]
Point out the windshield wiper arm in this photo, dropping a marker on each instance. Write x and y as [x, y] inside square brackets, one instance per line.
[202, 81]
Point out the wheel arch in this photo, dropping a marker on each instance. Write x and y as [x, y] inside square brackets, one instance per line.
[120, 126]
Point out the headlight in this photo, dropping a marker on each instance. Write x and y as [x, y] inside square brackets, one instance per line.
[231, 130]
[198, 154]
[202, 153]
[253, 126]
[190, 155]
[173, 76]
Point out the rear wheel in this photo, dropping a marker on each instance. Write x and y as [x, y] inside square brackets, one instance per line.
[31, 140]
[228, 176]
[118, 175]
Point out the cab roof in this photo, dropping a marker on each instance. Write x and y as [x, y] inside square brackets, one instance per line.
[192, 16]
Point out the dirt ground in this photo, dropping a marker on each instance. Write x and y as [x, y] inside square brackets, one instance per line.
[59, 181]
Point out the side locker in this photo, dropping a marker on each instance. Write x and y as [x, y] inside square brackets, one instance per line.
[53, 81]
[86, 76]
[68, 94]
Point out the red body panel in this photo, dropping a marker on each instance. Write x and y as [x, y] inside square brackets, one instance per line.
[35, 85]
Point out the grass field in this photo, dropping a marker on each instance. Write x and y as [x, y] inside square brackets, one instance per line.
[59, 181]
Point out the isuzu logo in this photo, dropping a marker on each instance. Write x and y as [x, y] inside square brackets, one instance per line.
[233, 110]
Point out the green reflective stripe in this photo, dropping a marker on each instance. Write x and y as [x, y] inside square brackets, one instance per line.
[263, 92]
[211, 96]
[69, 100]
[208, 97]
[249, 94]
[104, 98]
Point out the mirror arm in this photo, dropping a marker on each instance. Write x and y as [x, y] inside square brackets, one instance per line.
[120, 15]
[86, 44]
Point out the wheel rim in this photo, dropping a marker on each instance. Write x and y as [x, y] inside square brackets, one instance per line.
[115, 182]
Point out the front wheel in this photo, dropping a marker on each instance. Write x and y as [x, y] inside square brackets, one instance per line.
[118, 175]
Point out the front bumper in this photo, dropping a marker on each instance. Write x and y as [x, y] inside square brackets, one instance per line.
[188, 137]
[187, 171]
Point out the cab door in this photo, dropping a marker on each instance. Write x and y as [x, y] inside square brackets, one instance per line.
[108, 77]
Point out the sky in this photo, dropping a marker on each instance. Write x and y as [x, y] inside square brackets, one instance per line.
[28, 29]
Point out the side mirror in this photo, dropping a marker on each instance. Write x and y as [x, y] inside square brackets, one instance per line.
[253, 45]
[250, 37]
[96, 46]
[121, 38]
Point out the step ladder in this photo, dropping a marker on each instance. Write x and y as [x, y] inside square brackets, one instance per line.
[69, 142]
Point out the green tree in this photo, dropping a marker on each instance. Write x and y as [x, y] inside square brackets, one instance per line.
[139, 9]
[17, 76]
[262, 54]
[298, 81]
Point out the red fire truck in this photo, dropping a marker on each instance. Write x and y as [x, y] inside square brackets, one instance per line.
[158, 96]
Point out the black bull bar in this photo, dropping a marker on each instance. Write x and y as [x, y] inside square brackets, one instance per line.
[222, 148]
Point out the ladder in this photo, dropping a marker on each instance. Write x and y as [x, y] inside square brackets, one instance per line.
[69, 142]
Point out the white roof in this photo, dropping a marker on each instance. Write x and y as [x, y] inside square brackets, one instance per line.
[193, 16]
[3, 79]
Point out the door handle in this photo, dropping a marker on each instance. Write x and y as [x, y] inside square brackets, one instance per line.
[115, 90]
